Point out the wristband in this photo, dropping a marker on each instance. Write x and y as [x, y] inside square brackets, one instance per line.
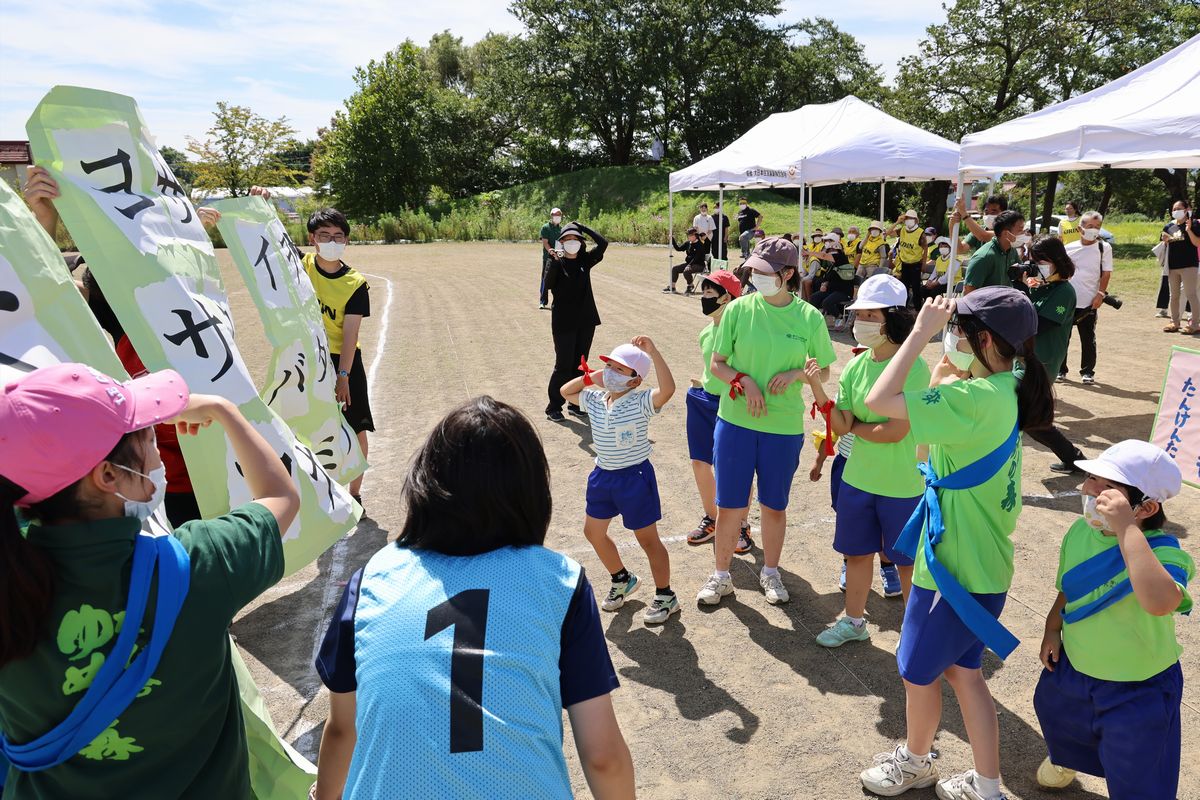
[827, 412]
[735, 385]
[343, 374]
[586, 370]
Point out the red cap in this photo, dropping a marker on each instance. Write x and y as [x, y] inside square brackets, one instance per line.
[725, 280]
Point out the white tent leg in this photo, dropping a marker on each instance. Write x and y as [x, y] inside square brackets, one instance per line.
[670, 235]
[952, 270]
[882, 185]
[810, 212]
[720, 221]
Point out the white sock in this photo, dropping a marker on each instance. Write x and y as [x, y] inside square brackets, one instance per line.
[911, 756]
[988, 787]
[770, 570]
[858, 622]
[722, 574]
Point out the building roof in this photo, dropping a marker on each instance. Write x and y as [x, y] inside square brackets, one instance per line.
[15, 152]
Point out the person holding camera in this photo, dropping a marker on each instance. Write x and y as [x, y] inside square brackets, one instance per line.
[1093, 270]
[1182, 238]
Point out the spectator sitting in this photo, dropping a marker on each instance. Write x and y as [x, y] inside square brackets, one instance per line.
[694, 261]
[748, 220]
[835, 281]
[872, 252]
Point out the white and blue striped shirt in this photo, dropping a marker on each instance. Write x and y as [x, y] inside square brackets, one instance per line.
[620, 434]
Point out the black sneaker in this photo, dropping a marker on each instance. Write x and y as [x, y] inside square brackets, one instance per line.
[669, 290]
[358, 499]
[1068, 469]
[576, 411]
[555, 416]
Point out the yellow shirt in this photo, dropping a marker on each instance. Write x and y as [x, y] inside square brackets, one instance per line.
[909, 246]
[1068, 230]
[333, 292]
[872, 250]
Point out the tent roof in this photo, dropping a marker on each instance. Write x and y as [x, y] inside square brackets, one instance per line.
[846, 141]
[1145, 119]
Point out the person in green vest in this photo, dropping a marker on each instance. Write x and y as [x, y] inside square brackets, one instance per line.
[549, 239]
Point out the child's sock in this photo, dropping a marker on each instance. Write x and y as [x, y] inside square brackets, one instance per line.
[989, 788]
[858, 622]
[911, 756]
[723, 574]
[770, 570]
[620, 577]
[665, 591]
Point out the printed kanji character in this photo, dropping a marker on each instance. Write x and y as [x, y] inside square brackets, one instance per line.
[124, 186]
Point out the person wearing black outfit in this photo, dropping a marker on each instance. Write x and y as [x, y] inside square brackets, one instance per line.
[834, 279]
[720, 238]
[748, 220]
[696, 248]
[573, 318]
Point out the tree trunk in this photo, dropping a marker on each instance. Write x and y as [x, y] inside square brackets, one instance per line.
[1106, 198]
[1176, 183]
[1048, 202]
[933, 201]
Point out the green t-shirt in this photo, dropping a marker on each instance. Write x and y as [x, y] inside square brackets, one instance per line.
[962, 422]
[708, 342]
[887, 469]
[550, 233]
[973, 241]
[1055, 303]
[1123, 642]
[762, 341]
[989, 265]
[183, 736]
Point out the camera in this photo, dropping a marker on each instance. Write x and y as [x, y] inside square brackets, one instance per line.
[1112, 300]
[1017, 274]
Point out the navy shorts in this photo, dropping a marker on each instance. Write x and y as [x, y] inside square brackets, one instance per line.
[870, 523]
[835, 478]
[701, 424]
[740, 453]
[631, 492]
[1126, 732]
[933, 638]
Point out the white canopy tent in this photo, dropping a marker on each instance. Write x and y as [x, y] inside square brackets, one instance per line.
[819, 145]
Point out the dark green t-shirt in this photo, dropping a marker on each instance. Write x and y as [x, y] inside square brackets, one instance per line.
[183, 736]
[550, 233]
[1055, 304]
[989, 266]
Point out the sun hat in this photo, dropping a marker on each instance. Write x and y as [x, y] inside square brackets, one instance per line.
[774, 253]
[58, 422]
[629, 356]
[1139, 464]
[1003, 309]
[910, 214]
[880, 291]
[725, 280]
[556, 210]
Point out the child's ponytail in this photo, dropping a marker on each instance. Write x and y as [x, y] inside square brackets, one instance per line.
[26, 582]
[1035, 395]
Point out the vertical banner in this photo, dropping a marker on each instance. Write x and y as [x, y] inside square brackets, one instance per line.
[43, 321]
[1178, 405]
[300, 382]
[151, 256]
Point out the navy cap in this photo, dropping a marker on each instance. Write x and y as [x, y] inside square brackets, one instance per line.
[1005, 310]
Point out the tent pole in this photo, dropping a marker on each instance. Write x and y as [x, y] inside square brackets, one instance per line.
[670, 235]
[809, 218]
[882, 185]
[720, 219]
[952, 270]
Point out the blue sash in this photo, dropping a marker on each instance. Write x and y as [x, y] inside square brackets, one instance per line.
[928, 517]
[115, 685]
[1088, 576]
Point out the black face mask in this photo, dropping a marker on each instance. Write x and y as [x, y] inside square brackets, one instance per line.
[709, 304]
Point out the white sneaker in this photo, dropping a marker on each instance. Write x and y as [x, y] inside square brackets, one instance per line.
[893, 774]
[1053, 776]
[661, 609]
[618, 593]
[772, 586]
[714, 589]
[962, 787]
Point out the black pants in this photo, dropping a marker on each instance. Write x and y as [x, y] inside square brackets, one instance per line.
[358, 413]
[571, 344]
[830, 303]
[1085, 321]
[687, 271]
[543, 292]
[719, 250]
[1054, 439]
[181, 507]
[927, 292]
[910, 276]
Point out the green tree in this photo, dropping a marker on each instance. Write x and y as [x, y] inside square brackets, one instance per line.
[183, 169]
[241, 150]
[297, 156]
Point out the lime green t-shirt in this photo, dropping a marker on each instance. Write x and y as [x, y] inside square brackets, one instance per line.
[887, 469]
[962, 422]
[1123, 642]
[708, 342]
[762, 341]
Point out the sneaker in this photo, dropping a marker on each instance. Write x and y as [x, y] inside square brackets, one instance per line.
[618, 593]
[576, 411]
[661, 609]
[841, 632]
[669, 290]
[842, 580]
[555, 416]
[891, 581]
[744, 543]
[1060, 378]
[772, 586]
[893, 774]
[1088, 380]
[690, 290]
[961, 787]
[1162, 313]
[543, 307]
[713, 590]
[704, 532]
[1068, 469]
[1052, 776]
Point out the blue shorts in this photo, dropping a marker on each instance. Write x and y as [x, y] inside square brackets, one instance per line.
[835, 478]
[870, 523]
[933, 638]
[740, 453]
[1125, 732]
[701, 424]
[631, 492]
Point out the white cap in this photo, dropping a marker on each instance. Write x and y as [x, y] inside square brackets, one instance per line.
[1138, 464]
[880, 291]
[942, 240]
[911, 213]
[556, 210]
[877, 224]
[629, 356]
[832, 237]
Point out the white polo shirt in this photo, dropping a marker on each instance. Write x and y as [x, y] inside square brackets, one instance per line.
[704, 223]
[1089, 263]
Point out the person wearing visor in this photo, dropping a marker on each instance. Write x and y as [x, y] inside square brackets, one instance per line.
[574, 317]
[115, 670]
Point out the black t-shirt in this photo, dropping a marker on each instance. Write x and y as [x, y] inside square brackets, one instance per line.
[747, 219]
[1182, 253]
[359, 302]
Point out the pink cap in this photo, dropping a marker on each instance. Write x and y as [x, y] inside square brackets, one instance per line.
[58, 422]
[629, 356]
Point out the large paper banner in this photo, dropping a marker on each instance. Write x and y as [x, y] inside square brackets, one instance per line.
[300, 382]
[1177, 424]
[150, 254]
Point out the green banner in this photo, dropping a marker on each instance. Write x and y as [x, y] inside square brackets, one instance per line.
[300, 379]
[150, 254]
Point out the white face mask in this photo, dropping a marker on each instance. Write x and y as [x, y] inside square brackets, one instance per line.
[1071, 217]
[874, 233]
[1021, 239]
[869, 334]
[910, 225]
[1089, 234]
[961, 361]
[1045, 269]
[615, 381]
[850, 237]
[571, 246]
[743, 206]
[1091, 516]
[143, 509]
[556, 219]
[331, 251]
[945, 251]
[767, 285]
[988, 221]
[1179, 214]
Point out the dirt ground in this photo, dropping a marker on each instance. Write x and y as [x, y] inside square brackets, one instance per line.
[736, 701]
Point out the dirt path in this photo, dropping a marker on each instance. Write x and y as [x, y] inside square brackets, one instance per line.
[733, 702]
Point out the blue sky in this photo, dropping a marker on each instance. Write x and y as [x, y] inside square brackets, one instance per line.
[285, 58]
